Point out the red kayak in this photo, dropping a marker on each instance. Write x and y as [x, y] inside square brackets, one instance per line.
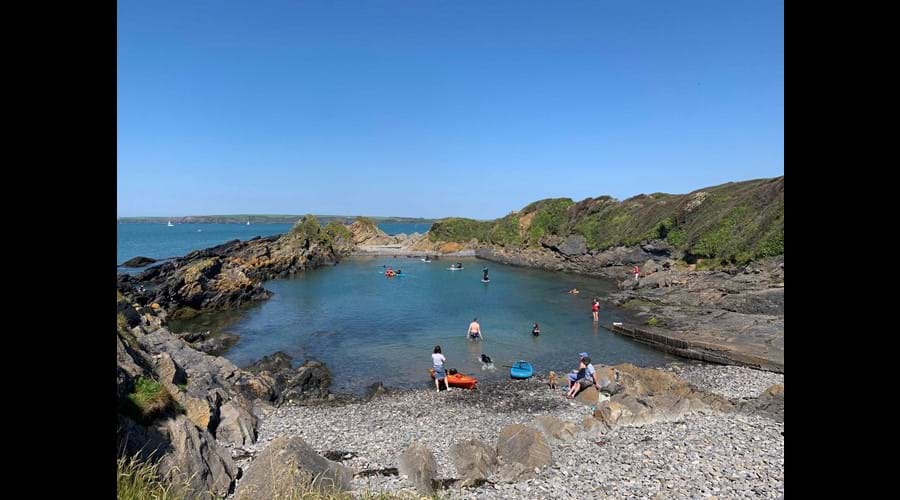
[458, 380]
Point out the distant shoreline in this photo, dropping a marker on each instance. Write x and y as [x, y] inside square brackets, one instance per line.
[264, 219]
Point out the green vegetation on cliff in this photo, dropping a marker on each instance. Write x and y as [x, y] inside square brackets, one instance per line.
[733, 222]
[149, 401]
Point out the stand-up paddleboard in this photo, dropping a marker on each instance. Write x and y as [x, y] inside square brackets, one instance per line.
[426, 261]
[485, 281]
[521, 370]
[456, 268]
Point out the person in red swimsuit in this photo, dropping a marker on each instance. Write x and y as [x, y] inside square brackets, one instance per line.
[595, 309]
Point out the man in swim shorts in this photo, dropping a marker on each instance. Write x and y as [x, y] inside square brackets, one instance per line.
[474, 331]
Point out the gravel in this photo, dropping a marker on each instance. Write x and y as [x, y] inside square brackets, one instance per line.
[735, 382]
[704, 455]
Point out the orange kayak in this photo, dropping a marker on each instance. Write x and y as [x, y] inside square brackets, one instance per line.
[458, 380]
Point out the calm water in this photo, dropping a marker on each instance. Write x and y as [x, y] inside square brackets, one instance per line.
[369, 328]
[158, 241]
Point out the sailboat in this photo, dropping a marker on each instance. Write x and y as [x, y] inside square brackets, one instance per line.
[170, 224]
[248, 222]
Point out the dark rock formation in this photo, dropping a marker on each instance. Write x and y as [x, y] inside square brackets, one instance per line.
[137, 262]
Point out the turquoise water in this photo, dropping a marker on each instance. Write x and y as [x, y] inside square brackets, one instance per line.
[367, 327]
[158, 241]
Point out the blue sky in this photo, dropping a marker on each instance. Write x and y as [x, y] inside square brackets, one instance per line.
[435, 108]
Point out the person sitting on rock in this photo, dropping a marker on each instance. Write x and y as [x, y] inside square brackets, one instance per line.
[584, 378]
[575, 385]
[591, 372]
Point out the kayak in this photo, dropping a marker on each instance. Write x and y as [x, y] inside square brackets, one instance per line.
[521, 370]
[458, 380]
[456, 268]
[428, 261]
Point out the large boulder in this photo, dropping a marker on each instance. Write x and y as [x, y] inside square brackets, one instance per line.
[474, 461]
[417, 463]
[284, 466]
[588, 396]
[518, 444]
[194, 462]
[555, 429]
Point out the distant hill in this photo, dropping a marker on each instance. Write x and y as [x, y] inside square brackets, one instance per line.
[263, 219]
[735, 222]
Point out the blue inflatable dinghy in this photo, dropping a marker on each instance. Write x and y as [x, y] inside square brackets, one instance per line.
[521, 370]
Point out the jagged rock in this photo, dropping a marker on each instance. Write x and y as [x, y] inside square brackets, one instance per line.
[284, 465]
[557, 430]
[523, 445]
[473, 460]
[168, 371]
[217, 345]
[237, 426]
[196, 464]
[417, 463]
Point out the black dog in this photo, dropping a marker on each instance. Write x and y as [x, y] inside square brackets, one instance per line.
[486, 359]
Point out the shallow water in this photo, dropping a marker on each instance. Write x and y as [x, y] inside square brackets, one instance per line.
[368, 328]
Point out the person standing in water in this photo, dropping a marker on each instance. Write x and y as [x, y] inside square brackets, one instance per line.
[438, 360]
[485, 278]
[536, 330]
[474, 331]
[595, 310]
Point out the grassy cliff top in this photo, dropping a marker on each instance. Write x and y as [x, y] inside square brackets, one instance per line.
[733, 222]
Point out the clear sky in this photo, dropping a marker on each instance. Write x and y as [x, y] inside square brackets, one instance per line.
[435, 108]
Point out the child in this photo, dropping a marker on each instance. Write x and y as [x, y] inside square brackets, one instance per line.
[438, 361]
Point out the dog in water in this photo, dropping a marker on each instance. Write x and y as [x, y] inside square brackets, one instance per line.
[552, 380]
[487, 362]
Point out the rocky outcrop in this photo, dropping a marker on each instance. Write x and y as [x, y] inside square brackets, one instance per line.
[645, 395]
[284, 468]
[417, 463]
[194, 462]
[137, 262]
[310, 381]
[229, 275]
